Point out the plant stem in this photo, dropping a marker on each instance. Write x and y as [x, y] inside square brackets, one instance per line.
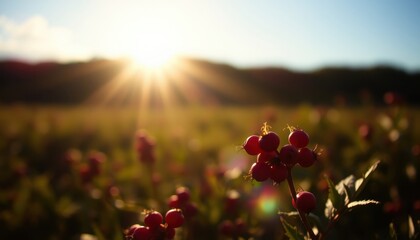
[332, 222]
[302, 215]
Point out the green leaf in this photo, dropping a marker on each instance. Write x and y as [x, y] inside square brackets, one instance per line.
[361, 182]
[411, 228]
[346, 188]
[334, 196]
[291, 232]
[288, 214]
[329, 209]
[371, 169]
[392, 233]
[317, 221]
[86, 236]
[361, 203]
[295, 215]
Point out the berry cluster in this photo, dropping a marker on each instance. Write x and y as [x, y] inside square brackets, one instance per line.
[93, 168]
[181, 200]
[232, 202]
[145, 147]
[277, 164]
[234, 229]
[154, 228]
[273, 163]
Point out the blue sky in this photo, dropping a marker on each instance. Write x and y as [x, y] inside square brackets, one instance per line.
[298, 34]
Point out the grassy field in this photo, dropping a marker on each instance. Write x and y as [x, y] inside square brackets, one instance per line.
[44, 149]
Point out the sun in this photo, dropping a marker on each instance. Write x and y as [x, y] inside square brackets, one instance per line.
[151, 47]
[152, 56]
[149, 41]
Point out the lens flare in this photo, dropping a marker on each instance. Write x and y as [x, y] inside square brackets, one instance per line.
[266, 201]
[267, 204]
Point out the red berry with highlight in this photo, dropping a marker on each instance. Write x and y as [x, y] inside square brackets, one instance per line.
[240, 227]
[306, 157]
[183, 194]
[278, 173]
[365, 131]
[251, 145]
[142, 233]
[288, 155]
[305, 201]
[174, 218]
[153, 219]
[132, 228]
[266, 156]
[299, 138]
[260, 171]
[269, 141]
[173, 202]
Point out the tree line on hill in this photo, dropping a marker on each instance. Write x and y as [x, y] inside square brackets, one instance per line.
[203, 81]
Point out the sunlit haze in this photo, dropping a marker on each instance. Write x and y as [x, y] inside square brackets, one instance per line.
[301, 35]
[209, 119]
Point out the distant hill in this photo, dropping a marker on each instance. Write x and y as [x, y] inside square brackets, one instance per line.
[329, 85]
[200, 82]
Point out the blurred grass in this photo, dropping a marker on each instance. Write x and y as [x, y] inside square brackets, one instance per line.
[193, 145]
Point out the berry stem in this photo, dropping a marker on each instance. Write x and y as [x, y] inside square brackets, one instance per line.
[302, 215]
[265, 128]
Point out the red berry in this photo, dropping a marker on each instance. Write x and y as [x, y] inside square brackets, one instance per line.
[183, 194]
[251, 145]
[158, 232]
[142, 233]
[269, 142]
[227, 228]
[392, 208]
[96, 158]
[132, 228]
[232, 202]
[305, 201]
[266, 156]
[240, 227]
[416, 206]
[306, 157]
[153, 219]
[288, 155]
[365, 131]
[190, 210]
[173, 202]
[145, 147]
[169, 233]
[298, 138]
[174, 218]
[85, 174]
[278, 173]
[260, 171]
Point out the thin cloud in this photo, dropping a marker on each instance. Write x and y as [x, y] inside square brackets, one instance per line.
[35, 39]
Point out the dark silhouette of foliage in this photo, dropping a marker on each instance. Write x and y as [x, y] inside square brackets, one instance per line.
[73, 83]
